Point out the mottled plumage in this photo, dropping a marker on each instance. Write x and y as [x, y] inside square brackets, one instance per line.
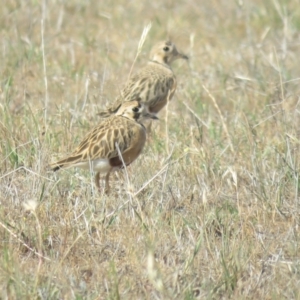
[155, 84]
[98, 150]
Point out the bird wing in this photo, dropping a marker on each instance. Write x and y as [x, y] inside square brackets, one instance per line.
[101, 142]
[148, 86]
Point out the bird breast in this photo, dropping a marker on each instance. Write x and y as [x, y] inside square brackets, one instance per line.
[136, 137]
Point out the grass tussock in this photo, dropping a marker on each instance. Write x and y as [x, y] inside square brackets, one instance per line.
[211, 208]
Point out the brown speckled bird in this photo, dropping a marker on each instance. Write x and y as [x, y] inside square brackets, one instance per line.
[99, 149]
[155, 84]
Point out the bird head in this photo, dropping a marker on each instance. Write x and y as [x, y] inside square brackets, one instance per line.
[135, 110]
[165, 53]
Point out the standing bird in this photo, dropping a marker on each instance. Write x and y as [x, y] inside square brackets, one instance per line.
[155, 84]
[99, 150]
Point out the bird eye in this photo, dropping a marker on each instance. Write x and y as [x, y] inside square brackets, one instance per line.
[135, 109]
[166, 49]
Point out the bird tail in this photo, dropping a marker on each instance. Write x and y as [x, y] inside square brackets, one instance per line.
[56, 168]
[109, 112]
[65, 163]
[105, 114]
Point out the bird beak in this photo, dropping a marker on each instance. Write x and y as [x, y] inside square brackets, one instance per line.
[183, 56]
[150, 116]
[180, 55]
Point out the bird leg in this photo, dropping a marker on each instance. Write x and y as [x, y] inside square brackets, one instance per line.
[97, 181]
[107, 188]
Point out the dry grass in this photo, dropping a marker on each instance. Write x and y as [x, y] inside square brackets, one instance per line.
[217, 217]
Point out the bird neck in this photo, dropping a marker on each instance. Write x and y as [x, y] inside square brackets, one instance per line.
[160, 63]
[134, 120]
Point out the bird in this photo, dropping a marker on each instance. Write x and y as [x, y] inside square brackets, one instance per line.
[155, 84]
[122, 133]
